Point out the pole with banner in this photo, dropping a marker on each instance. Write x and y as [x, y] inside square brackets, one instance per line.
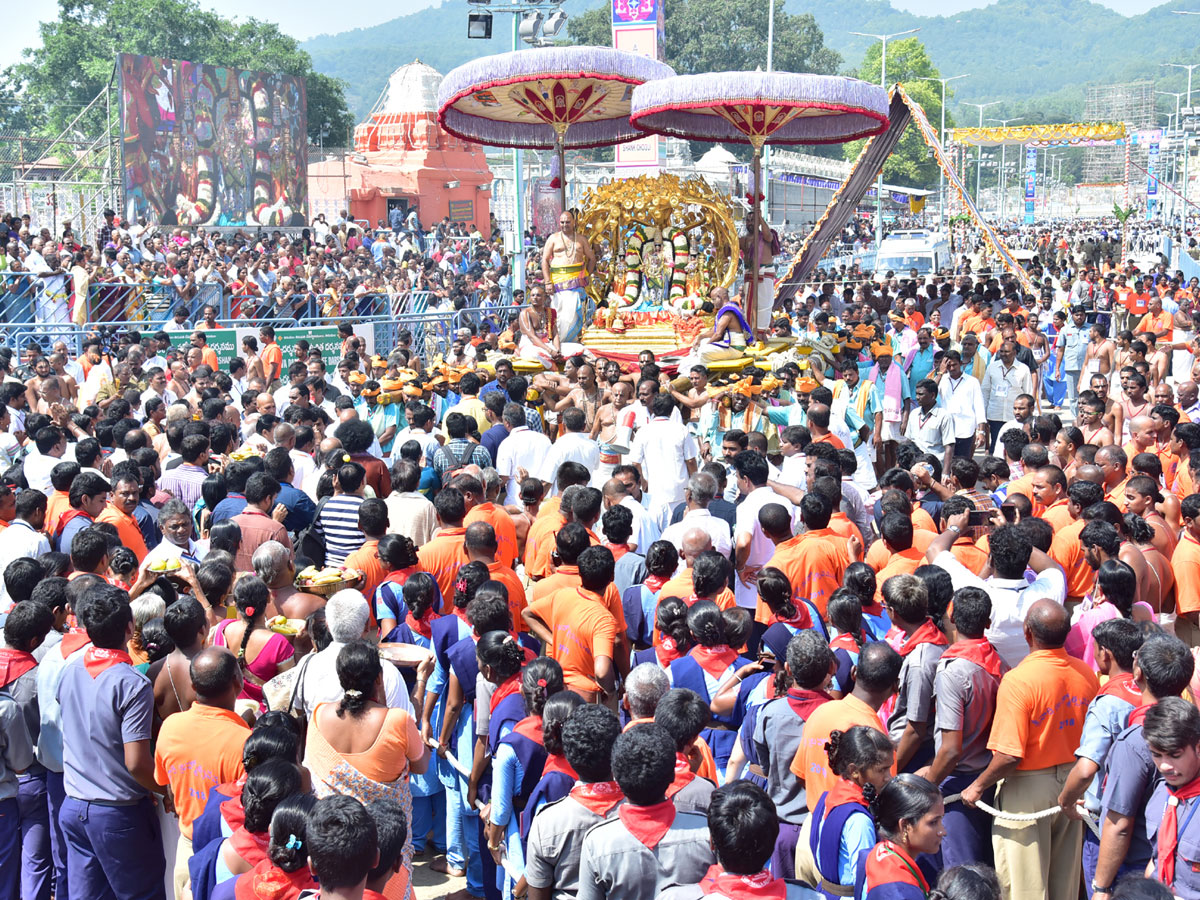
[1031, 161]
[637, 27]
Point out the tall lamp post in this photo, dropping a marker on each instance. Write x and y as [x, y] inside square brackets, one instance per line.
[1186, 137]
[1191, 67]
[1002, 178]
[883, 38]
[942, 140]
[765, 187]
[979, 148]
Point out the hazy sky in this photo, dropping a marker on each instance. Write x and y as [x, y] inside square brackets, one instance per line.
[306, 18]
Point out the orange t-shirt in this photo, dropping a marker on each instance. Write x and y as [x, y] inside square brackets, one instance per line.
[568, 577]
[1137, 304]
[539, 544]
[879, 554]
[583, 631]
[811, 762]
[272, 360]
[1024, 485]
[832, 439]
[922, 519]
[1040, 709]
[502, 524]
[1184, 485]
[208, 357]
[442, 557]
[1057, 515]
[840, 524]
[1185, 564]
[516, 592]
[1067, 551]
[59, 503]
[903, 563]
[366, 560]
[965, 551]
[1153, 324]
[815, 563]
[127, 530]
[197, 750]
[1117, 494]
[548, 506]
[681, 586]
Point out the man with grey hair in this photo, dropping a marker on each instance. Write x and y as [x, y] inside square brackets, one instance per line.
[175, 523]
[644, 687]
[348, 617]
[697, 495]
[274, 564]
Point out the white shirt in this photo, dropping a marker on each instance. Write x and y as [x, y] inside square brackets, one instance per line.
[17, 540]
[573, 446]
[662, 447]
[963, 399]
[1002, 384]
[321, 684]
[303, 465]
[761, 547]
[1010, 425]
[37, 470]
[427, 439]
[642, 525]
[931, 431]
[522, 449]
[1011, 599]
[717, 530]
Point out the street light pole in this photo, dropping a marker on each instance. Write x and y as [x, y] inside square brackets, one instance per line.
[942, 141]
[1002, 178]
[979, 148]
[883, 38]
[765, 187]
[1191, 67]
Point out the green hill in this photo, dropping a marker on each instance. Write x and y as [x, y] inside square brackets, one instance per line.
[1036, 55]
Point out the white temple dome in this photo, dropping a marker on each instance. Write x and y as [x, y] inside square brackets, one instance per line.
[411, 88]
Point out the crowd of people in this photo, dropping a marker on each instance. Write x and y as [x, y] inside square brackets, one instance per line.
[883, 621]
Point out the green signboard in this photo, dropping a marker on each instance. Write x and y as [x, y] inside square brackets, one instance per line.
[227, 342]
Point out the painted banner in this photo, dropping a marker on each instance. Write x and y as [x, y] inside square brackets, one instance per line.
[1031, 160]
[227, 342]
[637, 27]
[212, 145]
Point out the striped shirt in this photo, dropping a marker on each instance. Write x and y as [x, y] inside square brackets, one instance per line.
[338, 525]
[183, 482]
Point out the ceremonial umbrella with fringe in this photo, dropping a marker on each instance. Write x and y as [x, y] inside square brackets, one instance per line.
[758, 108]
[547, 98]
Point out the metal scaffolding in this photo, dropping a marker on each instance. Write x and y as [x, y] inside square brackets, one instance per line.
[1131, 103]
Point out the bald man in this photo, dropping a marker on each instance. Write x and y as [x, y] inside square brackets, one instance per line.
[1113, 461]
[695, 542]
[1188, 394]
[202, 747]
[1038, 725]
[1143, 436]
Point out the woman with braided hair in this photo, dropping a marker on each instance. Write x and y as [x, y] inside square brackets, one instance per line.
[261, 653]
[908, 816]
[841, 826]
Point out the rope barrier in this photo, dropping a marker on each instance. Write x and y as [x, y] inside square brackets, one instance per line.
[1028, 818]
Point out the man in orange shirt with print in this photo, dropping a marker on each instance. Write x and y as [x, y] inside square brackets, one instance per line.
[1066, 550]
[271, 355]
[443, 556]
[579, 631]
[815, 560]
[1038, 726]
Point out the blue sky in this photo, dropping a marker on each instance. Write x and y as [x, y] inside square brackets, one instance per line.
[306, 18]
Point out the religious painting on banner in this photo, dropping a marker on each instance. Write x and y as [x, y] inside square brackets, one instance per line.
[1031, 157]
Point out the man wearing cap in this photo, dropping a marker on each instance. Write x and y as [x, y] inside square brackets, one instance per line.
[895, 398]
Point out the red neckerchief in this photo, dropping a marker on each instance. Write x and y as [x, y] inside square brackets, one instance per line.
[979, 651]
[801, 621]
[846, 642]
[97, 660]
[266, 881]
[598, 797]
[618, 550]
[369, 894]
[1168, 836]
[666, 650]
[714, 660]
[66, 518]
[14, 664]
[557, 763]
[249, 846]
[683, 775]
[1138, 716]
[844, 791]
[763, 886]
[655, 583]
[511, 685]
[886, 848]
[648, 823]
[462, 616]
[424, 625]
[74, 639]
[401, 575]
[928, 633]
[530, 727]
[804, 702]
[233, 812]
[1123, 688]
